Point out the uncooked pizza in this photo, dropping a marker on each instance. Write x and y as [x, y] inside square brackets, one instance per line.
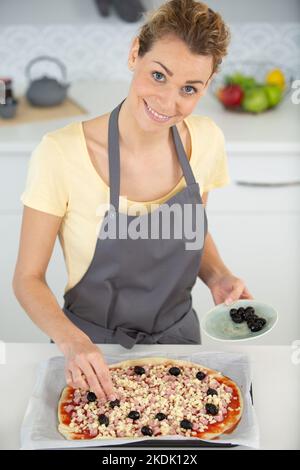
[157, 397]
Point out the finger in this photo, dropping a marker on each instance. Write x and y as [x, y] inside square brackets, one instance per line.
[104, 378]
[69, 379]
[233, 296]
[235, 293]
[247, 295]
[78, 380]
[86, 385]
[93, 382]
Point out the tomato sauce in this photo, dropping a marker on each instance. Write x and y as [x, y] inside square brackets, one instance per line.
[66, 417]
[234, 404]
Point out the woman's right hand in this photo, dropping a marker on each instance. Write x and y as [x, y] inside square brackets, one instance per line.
[86, 368]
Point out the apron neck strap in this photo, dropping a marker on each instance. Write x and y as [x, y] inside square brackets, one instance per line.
[114, 157]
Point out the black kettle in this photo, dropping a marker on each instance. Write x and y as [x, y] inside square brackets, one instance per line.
[46, 91]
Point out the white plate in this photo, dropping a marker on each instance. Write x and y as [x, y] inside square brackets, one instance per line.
[217, 323]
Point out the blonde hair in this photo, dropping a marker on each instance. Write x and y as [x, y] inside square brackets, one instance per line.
[202, 29]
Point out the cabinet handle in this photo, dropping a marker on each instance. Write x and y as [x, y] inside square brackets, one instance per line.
[266, 185]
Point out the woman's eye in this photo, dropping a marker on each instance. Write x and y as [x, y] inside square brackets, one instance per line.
[191, 87]
[194, 90]
[157, 73]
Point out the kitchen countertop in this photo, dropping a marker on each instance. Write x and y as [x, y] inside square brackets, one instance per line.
[275, 131]
[276, 386]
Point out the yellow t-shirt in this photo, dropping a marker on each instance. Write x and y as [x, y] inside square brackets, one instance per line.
[62, 181]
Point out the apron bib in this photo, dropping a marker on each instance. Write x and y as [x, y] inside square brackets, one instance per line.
[139, 290]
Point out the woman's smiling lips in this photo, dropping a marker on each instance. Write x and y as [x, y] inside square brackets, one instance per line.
[155, 115]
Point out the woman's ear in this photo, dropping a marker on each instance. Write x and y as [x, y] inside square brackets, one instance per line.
[134, 50]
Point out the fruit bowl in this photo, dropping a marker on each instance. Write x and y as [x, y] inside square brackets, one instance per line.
[251, 87]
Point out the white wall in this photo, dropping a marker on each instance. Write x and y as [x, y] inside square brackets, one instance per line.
[253, 10]
[81, 11]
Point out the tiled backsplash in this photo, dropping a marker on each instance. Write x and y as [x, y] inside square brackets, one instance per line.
[101, 50]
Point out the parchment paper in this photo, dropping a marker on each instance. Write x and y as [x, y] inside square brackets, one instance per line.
[39, 427]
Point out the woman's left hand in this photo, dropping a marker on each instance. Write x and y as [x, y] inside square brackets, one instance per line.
[228, 288]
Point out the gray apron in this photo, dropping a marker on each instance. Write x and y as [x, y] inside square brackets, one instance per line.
[139, 290]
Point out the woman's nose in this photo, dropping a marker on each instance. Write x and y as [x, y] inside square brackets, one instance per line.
[168, 104]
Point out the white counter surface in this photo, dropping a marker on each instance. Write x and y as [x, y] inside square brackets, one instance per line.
[276, 130]
[276, 387]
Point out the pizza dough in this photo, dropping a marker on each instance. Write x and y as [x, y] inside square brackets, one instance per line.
[156, 397]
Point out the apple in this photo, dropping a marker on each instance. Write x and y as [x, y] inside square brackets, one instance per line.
[231, 95]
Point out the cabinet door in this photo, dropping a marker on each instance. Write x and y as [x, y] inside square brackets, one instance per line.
[15, 325]
[259, 184]
[263, 250]
[13, 175]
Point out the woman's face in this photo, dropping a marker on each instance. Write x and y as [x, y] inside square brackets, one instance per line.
[166, 86]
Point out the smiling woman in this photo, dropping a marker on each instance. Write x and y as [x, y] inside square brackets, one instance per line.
[151, 150]
[174, 57]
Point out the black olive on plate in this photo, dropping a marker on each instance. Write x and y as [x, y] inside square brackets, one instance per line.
[255, 327]
[249, 316]
[233, 312]
[241, 312]
[262, 321]
[237, 318]
[249, 310]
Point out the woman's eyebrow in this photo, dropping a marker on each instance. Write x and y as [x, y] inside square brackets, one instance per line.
[171, 73]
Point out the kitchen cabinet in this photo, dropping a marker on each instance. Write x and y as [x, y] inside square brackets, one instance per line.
[15, 324]
[14, 321]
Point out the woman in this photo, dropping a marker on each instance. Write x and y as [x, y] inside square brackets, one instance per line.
[149, 148]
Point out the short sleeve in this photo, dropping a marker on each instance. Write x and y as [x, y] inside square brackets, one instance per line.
[218, 173]
[46, 188]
